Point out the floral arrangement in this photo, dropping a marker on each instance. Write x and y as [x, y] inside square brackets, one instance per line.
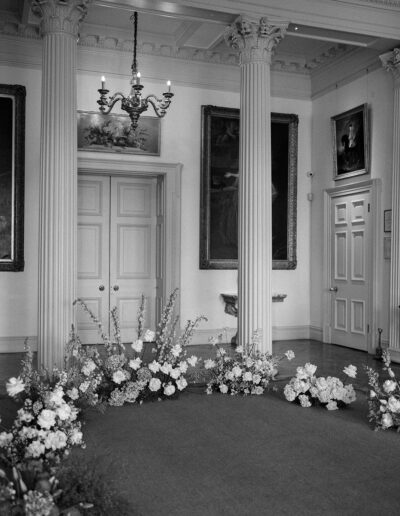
[122, 376]
[384, 399]
[47, 425]
[248, 371]
[308, 389]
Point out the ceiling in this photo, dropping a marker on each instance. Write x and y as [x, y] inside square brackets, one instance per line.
[197, 33]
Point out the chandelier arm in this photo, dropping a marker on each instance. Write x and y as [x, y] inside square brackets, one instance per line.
[159, 105]
[111, 102]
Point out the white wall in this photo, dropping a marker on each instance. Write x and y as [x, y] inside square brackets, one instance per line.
[181, 128]
[375, 89]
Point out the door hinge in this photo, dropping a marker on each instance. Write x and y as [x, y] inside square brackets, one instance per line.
[369, 207]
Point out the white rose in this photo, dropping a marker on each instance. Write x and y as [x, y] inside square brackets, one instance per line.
[73, 393]
[155, 384]
[256, 379]
[88, 367]
[351, 371]
[149, 336]
[76, 437]
[237, 371]
[258, 390]
[332, 405]
[181, 383]
[56, 397]
[84, 386]
[166, 368]
[24, 415]
[310, 369]
[169, 390]
[192, 361]
[137, 345]
[304, 401]
[209, 364]
[35, 449]
[154, 366]
[387, 421]
[46, 419]
[289, 354]
[247, 376]
[183, 367]
[389, 386]
[289, 392]
[64, 412]
[229, 376]
[5, 439]
[14, 386]
[223, 388]
[393, 404]
[135, 363]
[118, 377]
[175, 373]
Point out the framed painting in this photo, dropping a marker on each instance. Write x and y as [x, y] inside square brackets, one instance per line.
[12, 174]
[219, 188]
[350, 135]
[112, 133]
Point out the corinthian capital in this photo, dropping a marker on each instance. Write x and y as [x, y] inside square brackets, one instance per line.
[391, 63]
[255, 40]
[60, 15]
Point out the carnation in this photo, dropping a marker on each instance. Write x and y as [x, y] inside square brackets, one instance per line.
[137, 345]
[289, 393]
[55, 440]
[389, 386]
[166, 368]
[5, 439]
[73, 393]
[256, 379]
[175, 373]
[289, 354]
[332, 405]
[223, 388]
[76, 437]
[257, 390]
[88, 367]
[209, 363]
[183, 367]
[64, 412]
[351, 371]
[176, 350]
[393, 404]
[247, 376]
[304, 401]
[35, 449]
[14, 386]
[387, 421]
[237, 371]
[310, 369]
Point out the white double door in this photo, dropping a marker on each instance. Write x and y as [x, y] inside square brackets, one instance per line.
[117, 225]
[350, 276]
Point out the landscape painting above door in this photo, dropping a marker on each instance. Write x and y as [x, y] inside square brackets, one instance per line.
[219, 188]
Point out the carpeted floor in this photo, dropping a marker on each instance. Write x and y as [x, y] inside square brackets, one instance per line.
[231, 456]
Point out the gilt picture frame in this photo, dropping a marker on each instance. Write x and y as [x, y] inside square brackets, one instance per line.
[112, 133]
[12, 176]
[219, 188]
[350, 142]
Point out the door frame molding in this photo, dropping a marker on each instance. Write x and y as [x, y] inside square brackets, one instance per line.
[171, 174]
[374, 187]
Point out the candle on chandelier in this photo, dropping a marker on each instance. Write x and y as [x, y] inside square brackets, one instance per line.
[138, 78]
[103, 82]
[169, 86]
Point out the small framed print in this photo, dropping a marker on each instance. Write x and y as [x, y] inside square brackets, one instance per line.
[387, 221]
[350, 135]
[387, 247]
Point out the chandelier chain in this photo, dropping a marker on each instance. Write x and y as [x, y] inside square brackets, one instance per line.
[134, 63]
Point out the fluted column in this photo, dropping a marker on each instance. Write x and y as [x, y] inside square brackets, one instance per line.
[391, 62]
[58, 175]
[255, 42]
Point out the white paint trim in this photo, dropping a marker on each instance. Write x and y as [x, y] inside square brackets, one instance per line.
[278, 333]
[17, 344]
[316, 333]
[373, 186]
[171, 172]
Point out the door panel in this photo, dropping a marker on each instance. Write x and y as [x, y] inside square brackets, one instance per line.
[350, 255]
[133, 250]
[93, 248]
[117, 251]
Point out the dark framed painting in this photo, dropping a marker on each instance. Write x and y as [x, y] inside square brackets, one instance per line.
[350, 135]
[112, 133]
[219, 188]
[12, 174]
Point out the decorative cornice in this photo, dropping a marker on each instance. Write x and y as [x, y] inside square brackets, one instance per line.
[391, 63]
[255, 41]
[60, 15]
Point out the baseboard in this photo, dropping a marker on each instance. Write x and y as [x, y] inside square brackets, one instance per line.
[316, 333]
[278, 333]
[17, 344]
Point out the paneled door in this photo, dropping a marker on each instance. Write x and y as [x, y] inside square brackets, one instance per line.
[116, 252]
[350, 269]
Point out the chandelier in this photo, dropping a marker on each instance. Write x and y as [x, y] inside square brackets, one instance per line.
[134, 104]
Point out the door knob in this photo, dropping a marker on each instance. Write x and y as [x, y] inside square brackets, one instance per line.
[116, 287]
[333, 289]
[101, 288]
